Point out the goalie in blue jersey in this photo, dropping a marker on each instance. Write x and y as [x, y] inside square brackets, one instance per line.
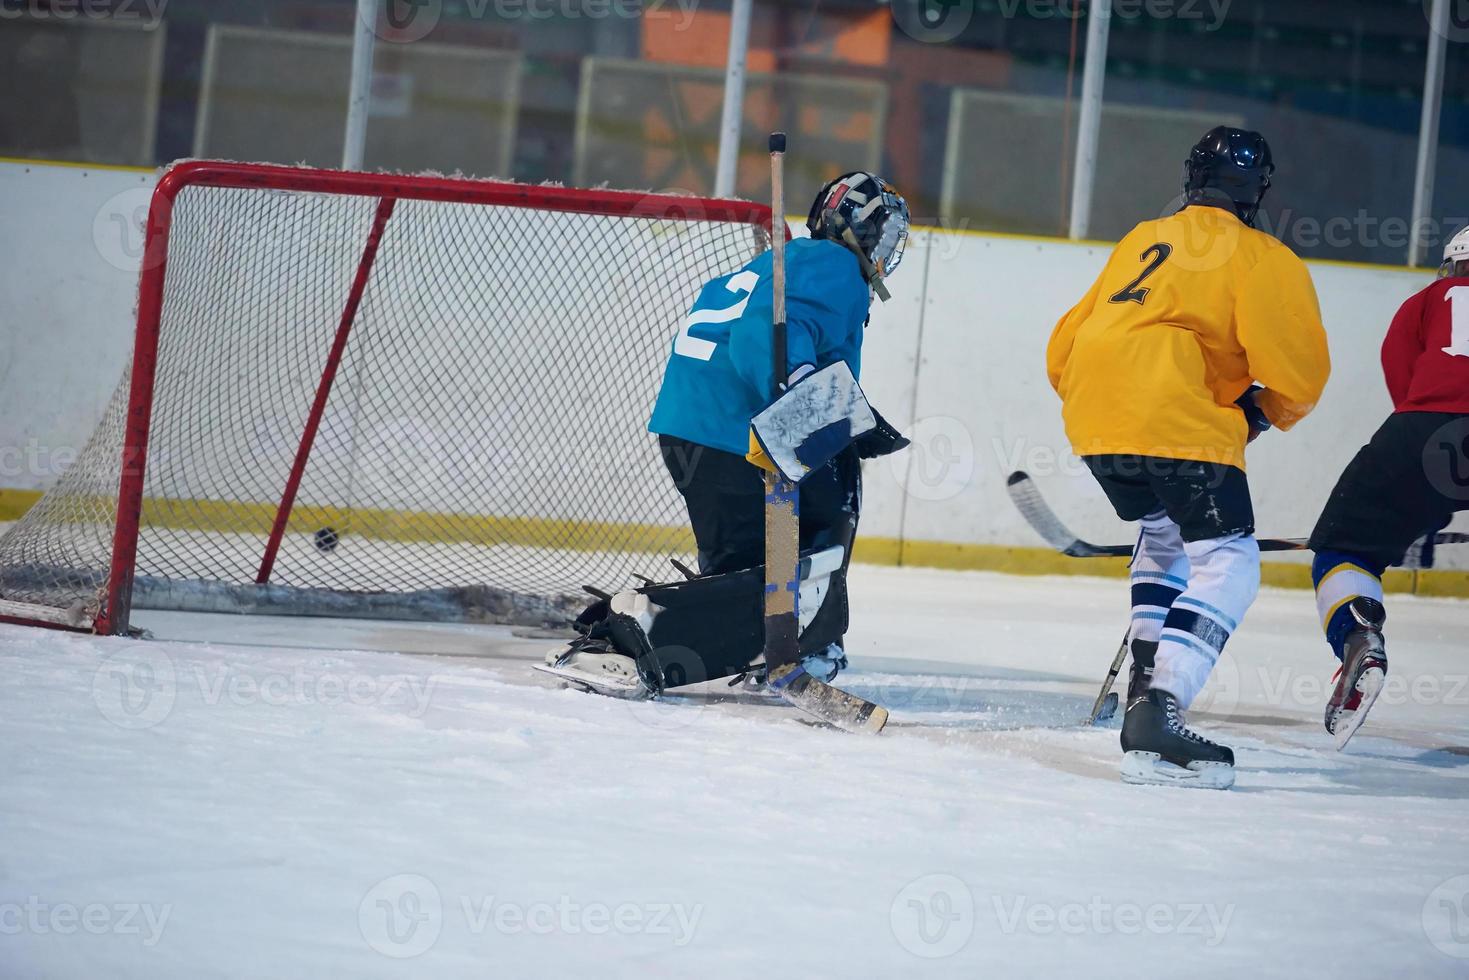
[717, 380]
[718, 376]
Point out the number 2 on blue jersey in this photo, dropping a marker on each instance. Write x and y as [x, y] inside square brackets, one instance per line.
[742, 284]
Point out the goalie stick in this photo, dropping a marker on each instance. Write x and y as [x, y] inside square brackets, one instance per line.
[785, 674]
[1038, 514]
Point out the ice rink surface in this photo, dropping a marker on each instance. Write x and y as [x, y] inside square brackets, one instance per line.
[284, 798]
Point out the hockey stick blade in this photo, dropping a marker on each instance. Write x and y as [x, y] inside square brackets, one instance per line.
[1106, 704]
[826, 703]
[1038, 514]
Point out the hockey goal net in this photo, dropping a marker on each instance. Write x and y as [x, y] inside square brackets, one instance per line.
[405, 397]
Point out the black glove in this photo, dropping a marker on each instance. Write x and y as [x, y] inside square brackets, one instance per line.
[1254, 414]
[881, 441]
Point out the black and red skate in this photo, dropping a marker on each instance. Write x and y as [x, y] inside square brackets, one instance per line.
[1362, 674]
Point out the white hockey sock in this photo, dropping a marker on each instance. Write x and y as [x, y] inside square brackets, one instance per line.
[1224, 578]
[1160, 570]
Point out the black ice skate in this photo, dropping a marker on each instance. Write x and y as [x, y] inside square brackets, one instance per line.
[1159, 749]
[1141, 677]
[1363, 671]
[596, 662]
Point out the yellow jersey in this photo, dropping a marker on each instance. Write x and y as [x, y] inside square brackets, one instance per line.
[1189, 311]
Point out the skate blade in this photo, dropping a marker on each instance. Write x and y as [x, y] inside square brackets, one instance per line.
[1149, 769]
[1369, 685]
[633, 690]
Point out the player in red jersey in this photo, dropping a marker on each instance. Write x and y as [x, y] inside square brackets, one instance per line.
[1408, 481]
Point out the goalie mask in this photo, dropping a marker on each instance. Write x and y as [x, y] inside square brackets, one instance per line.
[867, 215]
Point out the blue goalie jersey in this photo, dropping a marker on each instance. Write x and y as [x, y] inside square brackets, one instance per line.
[719, 373]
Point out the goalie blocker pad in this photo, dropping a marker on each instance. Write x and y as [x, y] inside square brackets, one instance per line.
[817, 417]
[712, 627]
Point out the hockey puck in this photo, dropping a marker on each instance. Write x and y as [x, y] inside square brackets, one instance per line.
[326, 539]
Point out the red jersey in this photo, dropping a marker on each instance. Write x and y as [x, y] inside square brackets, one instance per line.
[1426, 354]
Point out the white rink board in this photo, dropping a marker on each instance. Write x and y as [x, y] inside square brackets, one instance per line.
[68, 286]
[956, 360]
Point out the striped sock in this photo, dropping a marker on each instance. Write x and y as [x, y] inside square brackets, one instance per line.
[1160, 569]
[1340, 578]
[1223, 582]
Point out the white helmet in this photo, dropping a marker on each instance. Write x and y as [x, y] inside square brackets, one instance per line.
[1455, 255]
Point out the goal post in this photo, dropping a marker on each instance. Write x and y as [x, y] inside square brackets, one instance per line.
[384, 396]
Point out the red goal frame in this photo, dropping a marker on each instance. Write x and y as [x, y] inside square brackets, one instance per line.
[115, 610]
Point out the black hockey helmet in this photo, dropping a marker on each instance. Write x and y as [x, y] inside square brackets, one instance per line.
[1236, 163]
[866, 214]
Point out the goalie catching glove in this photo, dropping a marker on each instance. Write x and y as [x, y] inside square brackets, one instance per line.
[819, 416]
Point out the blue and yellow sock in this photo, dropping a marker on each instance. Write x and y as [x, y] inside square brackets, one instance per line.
[1340, 578]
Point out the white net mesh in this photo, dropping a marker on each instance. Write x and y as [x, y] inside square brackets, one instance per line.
[484, 438]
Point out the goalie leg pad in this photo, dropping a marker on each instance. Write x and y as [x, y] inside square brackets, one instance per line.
[713, 627]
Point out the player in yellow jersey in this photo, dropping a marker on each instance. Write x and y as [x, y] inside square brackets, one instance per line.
[1200, 333]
